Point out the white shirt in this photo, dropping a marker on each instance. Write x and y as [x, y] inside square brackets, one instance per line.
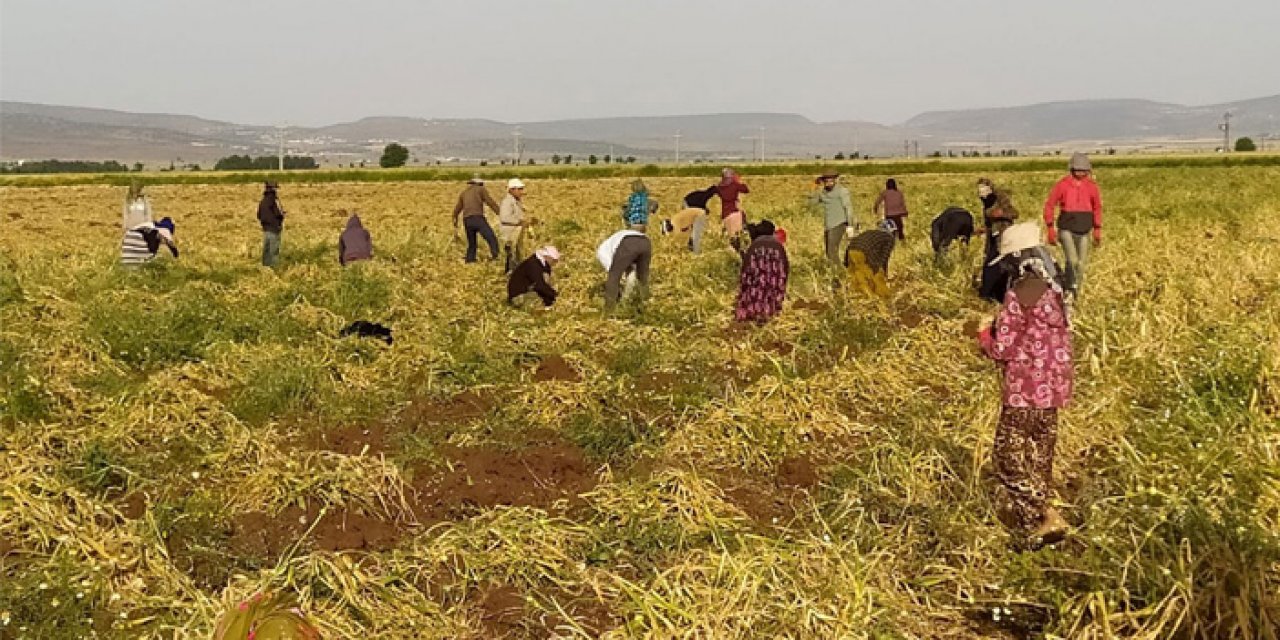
[610, 246]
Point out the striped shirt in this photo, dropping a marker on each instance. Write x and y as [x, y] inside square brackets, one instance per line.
[133, 247]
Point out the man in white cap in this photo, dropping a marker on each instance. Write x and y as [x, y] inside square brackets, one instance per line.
[512, 224]
[533, 276]
[625, 254]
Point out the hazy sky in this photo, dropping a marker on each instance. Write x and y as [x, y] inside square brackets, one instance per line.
[322, 61]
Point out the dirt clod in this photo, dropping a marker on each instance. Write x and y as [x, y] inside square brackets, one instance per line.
[555, 367]
[798, 472]
[352, 440]
[482, 478]
[133, 506]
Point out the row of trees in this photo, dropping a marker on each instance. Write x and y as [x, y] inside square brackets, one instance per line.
[63, 166]
[264, 163]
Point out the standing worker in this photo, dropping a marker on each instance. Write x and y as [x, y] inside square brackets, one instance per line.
[1031, 339]
[271, 215]
[895, 207]
[354, 244]
[638, 208]
[512, 222]
[730, 189]
[471, 204]
[836, 205]
[624, 254]
[1080, 202]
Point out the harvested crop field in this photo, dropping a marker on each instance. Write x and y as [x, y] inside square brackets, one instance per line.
[176, 438]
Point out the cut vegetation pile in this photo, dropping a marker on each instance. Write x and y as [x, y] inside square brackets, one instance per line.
[175, 439]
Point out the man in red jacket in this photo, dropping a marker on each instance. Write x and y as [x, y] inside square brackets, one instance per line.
[1080, 204]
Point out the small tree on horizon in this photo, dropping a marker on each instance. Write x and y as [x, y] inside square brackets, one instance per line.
[592, 159]
[394, 155]
[1245, 144]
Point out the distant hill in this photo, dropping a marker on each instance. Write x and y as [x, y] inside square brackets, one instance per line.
[36, 131]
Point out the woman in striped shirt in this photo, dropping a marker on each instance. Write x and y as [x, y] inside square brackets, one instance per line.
[141, 243]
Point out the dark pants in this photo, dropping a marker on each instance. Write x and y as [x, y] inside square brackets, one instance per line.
[633, 252]
[898, 227]
[477, 225]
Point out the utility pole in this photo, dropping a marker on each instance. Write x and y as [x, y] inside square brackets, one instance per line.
[280, 147]
[612, 159]
[515, 136]
[677, 136]
[917, 145]
[906, 148]
[761, 144]
[755, 140]
[1226, 132]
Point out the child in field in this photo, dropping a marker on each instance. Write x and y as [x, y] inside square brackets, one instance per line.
[142, 242]
[762, 283]
[1031, 339]
[354, 244]
[533, 277]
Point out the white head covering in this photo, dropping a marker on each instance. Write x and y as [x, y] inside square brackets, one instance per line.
[1024, 235]
[547, 252]
[515, 183]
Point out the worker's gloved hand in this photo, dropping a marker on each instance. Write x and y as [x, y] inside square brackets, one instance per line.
[1053, 236]
[1097, 236]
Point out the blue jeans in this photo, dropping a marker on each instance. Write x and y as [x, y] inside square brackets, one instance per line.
[1075, 251]
[479, 226]
[270, 248]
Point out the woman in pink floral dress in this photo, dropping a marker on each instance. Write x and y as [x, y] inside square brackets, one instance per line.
[762, 284]
[1031, 338]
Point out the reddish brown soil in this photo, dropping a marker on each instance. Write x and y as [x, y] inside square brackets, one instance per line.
[133, 506]
[657, 381]
[912, 318]
[14, 215]
[352, 440]
[464, 407]
[260, 535]
[780, 348]
[474, 479]
[799, 472]
[585, 610]
[5, 547]
[556, 368]
[502, 608]
[482, 478]
[971, 327]
[738, 329]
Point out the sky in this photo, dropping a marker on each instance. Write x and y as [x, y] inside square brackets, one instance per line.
[319, 62]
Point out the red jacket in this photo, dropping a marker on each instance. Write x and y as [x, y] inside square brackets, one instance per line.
[1074, 195]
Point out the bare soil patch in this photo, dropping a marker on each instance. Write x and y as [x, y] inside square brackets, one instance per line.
[260, 535]
[461, 408]
[133, 506]
[799, 472]
[352, 440]
[502, 608]
[912, 318]
[773, 502]
[6, 547]
[555, 367]
[480, 478]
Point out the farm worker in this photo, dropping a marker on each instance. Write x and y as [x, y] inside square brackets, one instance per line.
[471, 204]
[1080, 202]
[532, 276]
[1031, 339]
[895, 207]
[271, 215]
[762, 283]
[690, 223]
[867, 260]
[142, 242]
[354, 244]
[137, 208]
[625, 254]
[730, 189]
[835, 204]
[512, 222]
[998, 213]
[639, 206]
[265, 617]
[954, 223]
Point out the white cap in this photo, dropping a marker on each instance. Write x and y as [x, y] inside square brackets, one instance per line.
[515, 183]
[548, 252]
